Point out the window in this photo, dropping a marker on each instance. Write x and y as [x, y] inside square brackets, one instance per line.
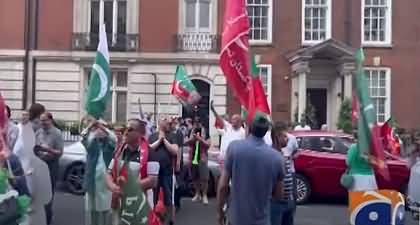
[265, 75]
[325, 144]
[376, 22]
[112, 13]
[260, 21]
[316, 21]
[117, 105]
[198, 15]
[379, 85]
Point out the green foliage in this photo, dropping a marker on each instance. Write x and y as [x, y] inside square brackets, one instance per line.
[60, 124]
[344, 118]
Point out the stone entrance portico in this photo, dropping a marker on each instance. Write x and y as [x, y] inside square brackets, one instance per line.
[327, 67]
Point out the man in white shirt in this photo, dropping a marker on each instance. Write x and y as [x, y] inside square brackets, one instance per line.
[230, 132]
[302, 126]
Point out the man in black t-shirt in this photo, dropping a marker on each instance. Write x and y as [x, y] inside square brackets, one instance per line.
[164, 150]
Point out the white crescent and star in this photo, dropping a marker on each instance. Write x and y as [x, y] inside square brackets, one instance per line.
[104, 82]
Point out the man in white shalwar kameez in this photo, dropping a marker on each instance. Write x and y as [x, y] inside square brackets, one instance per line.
[37, 174]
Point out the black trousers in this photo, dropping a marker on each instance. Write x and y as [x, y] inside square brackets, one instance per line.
[53, 168]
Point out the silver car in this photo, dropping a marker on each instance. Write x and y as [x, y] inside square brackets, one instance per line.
[72, 170]
[72, 167]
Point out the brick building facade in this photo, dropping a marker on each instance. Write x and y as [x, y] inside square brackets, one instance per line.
[305, 50]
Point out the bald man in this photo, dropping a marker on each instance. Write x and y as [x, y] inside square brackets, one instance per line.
[231, 131]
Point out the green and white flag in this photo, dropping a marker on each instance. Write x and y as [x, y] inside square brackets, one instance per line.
[100, 79]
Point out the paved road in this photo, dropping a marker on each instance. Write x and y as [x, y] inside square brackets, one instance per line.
[69, 211]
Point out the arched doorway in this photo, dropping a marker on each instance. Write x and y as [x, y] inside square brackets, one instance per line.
[203, 89]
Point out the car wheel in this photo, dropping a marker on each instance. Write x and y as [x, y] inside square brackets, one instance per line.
[303, 187]
[74, 178]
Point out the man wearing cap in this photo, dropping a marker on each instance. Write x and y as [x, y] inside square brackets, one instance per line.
[99, 143]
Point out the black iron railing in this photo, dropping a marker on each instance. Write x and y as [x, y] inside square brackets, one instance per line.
[89, 42]
[198, 42]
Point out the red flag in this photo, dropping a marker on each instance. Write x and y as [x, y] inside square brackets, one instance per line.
[3, 116]
[219, 124]
[3, 121]
[391, 140]
[234, 57]
[354, 110]
[258, 104]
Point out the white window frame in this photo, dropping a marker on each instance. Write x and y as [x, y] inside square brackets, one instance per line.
[388, 27]
[269, 82]
[269, 39]
[182, 25]
[197, 28]
[328, 26]
[387, 104]
[114, 90]
[114, 16]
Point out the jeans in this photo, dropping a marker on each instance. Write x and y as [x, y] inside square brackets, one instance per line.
[282, 213]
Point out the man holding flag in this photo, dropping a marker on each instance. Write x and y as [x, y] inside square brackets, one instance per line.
[129, 175]
[97, 140]
[368, 153]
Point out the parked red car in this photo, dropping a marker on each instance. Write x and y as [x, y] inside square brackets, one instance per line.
[322, 160]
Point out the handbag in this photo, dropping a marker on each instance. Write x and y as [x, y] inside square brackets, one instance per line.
[347, 180]
[9, 211]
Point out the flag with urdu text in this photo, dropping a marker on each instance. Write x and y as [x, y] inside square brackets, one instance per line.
[368, 132]
[390, 137]
[234, 56]
[183, 89]
[98, 91]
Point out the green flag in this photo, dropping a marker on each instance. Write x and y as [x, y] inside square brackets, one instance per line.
[183, 89]
[100, 80]
[258, 106]
[368, 133]
[134, 206]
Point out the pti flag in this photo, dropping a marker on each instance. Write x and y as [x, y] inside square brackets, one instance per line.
[234, 57]
[100, 79]
[183, 89]
[369, 140]
[258, 106]
[390, 137]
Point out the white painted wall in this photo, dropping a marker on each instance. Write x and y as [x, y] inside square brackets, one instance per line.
[58, 88]
[11, 85]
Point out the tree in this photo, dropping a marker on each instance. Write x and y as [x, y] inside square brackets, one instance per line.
[344, 118]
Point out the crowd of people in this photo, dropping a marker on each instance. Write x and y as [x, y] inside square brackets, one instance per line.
[154, 153]
[257, 183]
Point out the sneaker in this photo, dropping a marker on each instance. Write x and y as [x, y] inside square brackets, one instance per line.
[196, 198]
[205, 200]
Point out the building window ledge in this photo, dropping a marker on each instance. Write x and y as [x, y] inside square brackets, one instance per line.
[260, 42]
[377, 45]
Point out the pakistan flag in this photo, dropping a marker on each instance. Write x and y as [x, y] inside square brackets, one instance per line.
[100, 79]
